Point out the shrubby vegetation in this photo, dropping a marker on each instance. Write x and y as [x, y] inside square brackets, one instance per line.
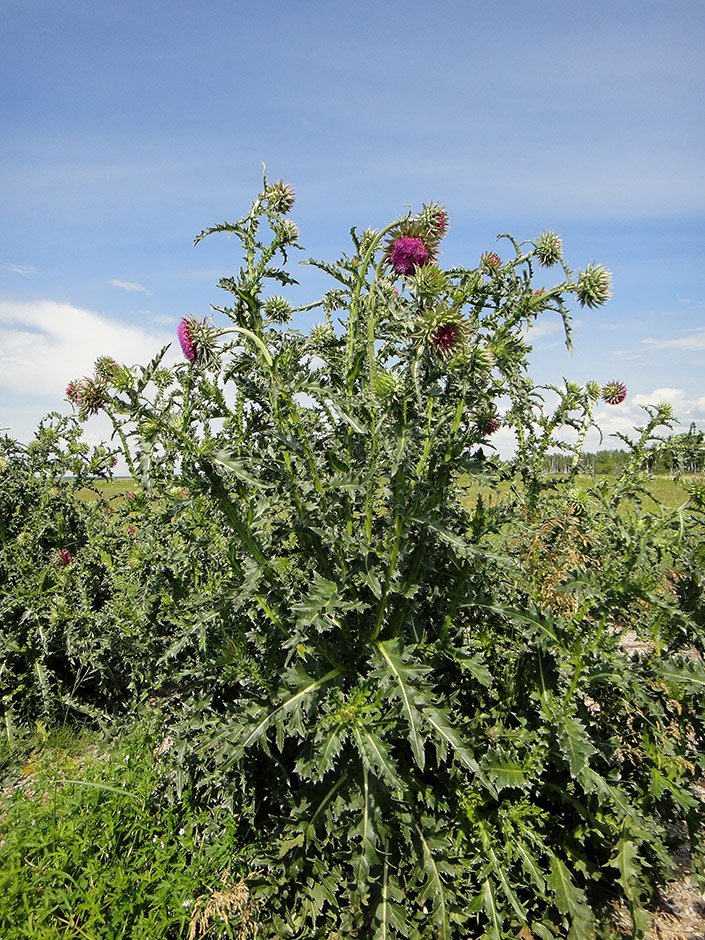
[422, 716]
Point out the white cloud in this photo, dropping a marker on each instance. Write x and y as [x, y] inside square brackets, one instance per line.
[695, 339]
[45, 344]
[24, 269]
[674, 396]
[132, 286]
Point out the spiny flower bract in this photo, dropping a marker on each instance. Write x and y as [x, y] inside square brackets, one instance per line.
[593, 288]
[548, 249]
[277, 310]
[280, 197]
[614, 392]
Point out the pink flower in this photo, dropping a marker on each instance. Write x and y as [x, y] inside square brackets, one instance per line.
[187, 344]
[408, 253]
[63, 557]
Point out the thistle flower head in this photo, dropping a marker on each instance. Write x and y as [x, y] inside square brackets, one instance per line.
[277, 310]
[386, 385]
[444, 331]
[62, 557]
[481, 359]
[408, 253]
[614, 392]
[593, 288]
[548, 248]
[435, 217]
[105, 367]
[488, 424]
[490, 262]
[594, 390]
[280, 197]
[321, 337]
[188, 347]
[411, 245]
[287, 232]
[73, 391]
[91, 396]
[198, 340]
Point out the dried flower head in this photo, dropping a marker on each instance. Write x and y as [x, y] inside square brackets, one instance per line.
[280, 197]
[277, 310]
[593, 288]
[548, 249]
[614, 393]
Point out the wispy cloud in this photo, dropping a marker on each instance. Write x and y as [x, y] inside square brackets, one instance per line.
[24, 269]
[130, 286]
[694, 339]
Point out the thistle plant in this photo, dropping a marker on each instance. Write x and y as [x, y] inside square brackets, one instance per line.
[393, 712]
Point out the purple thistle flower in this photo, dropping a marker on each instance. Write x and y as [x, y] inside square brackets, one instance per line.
[63, 557]
[447, 337]
[614, 392]
[188, 346]
[408, 253]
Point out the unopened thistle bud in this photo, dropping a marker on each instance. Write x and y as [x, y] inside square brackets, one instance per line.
[593, 288]
[105, 368]
[481, 359]
[62, 557]
[73, 391]
[287, 232]
[594, 390]
[280, 197]
[321, 337]
[162, 378]
[278, 310]
[386, 385]
[490, 262]
[614, 393]
[548, 249]
[435, 216]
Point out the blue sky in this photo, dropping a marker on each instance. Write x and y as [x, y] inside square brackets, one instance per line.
[126, 128]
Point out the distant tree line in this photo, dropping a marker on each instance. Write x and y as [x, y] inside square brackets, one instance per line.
[678, 454]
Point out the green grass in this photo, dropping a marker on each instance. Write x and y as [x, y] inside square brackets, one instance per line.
[666, 490]
[90, 846]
